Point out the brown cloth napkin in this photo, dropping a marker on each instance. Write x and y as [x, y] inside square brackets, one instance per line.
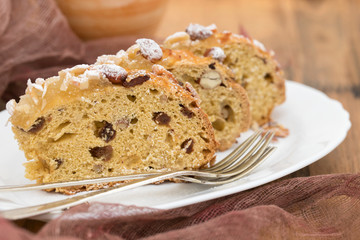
[320, 207]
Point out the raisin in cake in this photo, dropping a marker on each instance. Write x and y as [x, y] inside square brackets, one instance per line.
[254, 67]
[105, 120]
[223, 100]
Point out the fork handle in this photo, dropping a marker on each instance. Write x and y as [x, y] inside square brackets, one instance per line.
[25, 212]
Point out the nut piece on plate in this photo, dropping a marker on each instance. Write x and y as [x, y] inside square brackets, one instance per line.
[210, 79]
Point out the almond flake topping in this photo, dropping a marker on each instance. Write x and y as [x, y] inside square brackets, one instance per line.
[35, 85]
[40, 81]
[121, 54]
[10, 106]
[31, 87]
[177, 37]
[65, 76]
[78, 69]
[92, 74]
[82, 83]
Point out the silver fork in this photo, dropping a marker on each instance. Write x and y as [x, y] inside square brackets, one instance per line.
[237, 164]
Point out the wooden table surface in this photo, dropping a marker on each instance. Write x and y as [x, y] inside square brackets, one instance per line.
[316, 41]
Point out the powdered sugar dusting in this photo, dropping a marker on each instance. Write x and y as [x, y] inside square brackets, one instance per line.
[272, 53]
[10, 106]
[113, 73]
[137, 74]
[149, 49]
[212, 27]
[112, 59]
[259, 45]
[216, 53]
[82, 83]
[39, 81]
[198, 32]
[79, 69]
[105, 59]
[121, 54]
[92, 74]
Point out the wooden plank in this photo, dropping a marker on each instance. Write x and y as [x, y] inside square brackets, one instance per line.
[267, 21]
[329, 39]
[180, 13]
[315, 41]
[324, 36]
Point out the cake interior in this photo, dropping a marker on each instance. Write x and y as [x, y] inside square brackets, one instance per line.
[115, 131]
[258, 76]
[222, 104]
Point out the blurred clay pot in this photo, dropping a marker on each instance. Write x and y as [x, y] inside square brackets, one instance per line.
[92, 19]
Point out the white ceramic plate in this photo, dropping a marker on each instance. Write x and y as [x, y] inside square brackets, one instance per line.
[317, 125]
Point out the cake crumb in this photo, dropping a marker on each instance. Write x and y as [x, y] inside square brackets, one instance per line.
[279, 130]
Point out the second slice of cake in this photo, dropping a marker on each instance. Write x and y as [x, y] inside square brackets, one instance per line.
[223, 100]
